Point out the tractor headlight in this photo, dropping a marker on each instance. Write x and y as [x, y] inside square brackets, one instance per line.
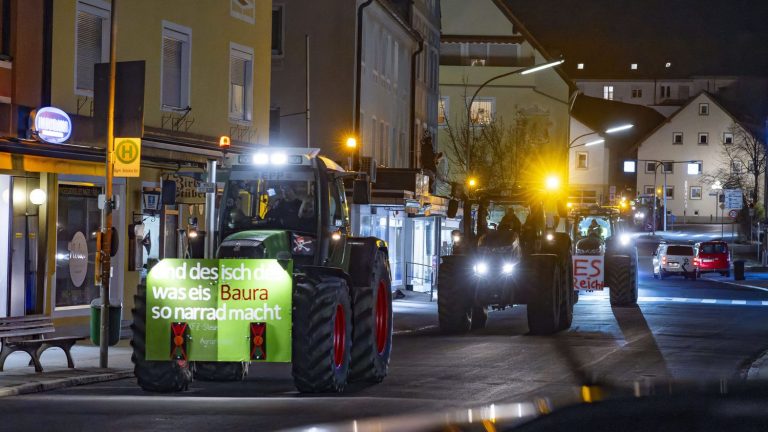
[480, 268]
[260, 159]
[507, 268]
[639, 215]
[456, 238]
[624, 239]
[550, 237]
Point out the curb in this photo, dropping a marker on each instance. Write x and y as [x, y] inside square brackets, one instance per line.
[42, 386]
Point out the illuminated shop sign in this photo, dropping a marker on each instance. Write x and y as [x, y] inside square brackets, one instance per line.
[52, 125]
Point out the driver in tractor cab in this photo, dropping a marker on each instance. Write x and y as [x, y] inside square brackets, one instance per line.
[286, 208]
[594, 229]
[510, 221]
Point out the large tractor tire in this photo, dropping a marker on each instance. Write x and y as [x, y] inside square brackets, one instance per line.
[621, 278]
[479, 317]
[154, 376]
[220, 371]
[454, 300]
[322, 334]
[372, 319]
[545, 300]
[561, 246]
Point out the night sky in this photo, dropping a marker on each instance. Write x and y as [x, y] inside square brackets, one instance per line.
[728, 37]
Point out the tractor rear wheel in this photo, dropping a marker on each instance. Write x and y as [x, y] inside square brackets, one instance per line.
[544, 303]
[154, 376]
[454, 303]
[220, 371]
[372, 330]
[322, 334]
[621, 278]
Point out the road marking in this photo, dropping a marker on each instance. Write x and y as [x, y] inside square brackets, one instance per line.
[402, 332]
[740, 285]
[719, 302]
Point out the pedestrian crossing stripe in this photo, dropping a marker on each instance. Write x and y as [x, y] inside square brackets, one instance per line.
[687, 300]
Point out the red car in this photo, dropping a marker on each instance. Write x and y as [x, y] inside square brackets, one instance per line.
[712, 257]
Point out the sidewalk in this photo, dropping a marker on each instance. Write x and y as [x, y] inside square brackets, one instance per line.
[19, 378]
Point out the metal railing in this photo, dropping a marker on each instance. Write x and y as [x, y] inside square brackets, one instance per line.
[423, 273]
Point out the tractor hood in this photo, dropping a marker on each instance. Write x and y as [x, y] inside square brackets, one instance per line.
[254, 244]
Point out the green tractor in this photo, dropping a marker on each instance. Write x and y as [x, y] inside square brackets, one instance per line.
[289, 283]
[524, 260]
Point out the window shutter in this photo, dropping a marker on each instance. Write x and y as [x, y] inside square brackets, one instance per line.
[172, 73]
[89, 39]
[237, 68]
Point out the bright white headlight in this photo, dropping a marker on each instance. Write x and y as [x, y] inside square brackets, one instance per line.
[624, 239]
[456, 239]
[481, 268]
[639, 215]
[260, 159]
[278, 158]
[507, 268]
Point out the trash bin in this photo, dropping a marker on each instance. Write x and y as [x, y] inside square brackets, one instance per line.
[738, 270]
[115, 318]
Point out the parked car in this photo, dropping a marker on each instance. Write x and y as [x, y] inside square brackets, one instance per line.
[712, 257]
[674, 260]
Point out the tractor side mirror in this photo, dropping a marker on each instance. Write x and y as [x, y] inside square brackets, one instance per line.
[453, 208]
[361, 191]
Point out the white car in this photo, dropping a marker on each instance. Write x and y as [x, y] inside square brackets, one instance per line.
[672, 259]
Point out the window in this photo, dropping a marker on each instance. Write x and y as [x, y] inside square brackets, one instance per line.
[695, 168]
[608, 92]
[482, 111]
[703, 138]
[633, 66]
[703, 109]
[648, 189]
[669, 167]
[278, 31]
[175, 66]
[442, 111]
[650, 167]
[243, 9]
[91, 42]
[580, 66]
[670, 192]
[727, 138]
[736, 167]
[677, 137]
[637, 93]
[695, 193]
[240, 82]
[665, 91]
[582, 160]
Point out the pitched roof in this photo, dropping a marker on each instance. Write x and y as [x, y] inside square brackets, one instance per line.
[601, 114]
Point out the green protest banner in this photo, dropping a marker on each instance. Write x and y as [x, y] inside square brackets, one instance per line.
[216, 302]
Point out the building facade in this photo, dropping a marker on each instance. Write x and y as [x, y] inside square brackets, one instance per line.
[699, 132]
[185, 78]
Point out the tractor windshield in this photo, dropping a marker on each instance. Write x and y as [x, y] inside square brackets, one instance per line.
[594, 226]
[270, 200]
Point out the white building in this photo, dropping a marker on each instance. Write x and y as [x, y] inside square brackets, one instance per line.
[696, 132]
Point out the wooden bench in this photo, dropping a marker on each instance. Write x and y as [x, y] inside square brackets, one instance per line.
[27, 334]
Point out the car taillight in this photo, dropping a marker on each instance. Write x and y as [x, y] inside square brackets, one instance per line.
[664, 260]
[179, 336]
[696, 262]
[258, 341]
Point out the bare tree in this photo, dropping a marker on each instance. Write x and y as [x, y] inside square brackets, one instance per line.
[499, 152]
[743, 162]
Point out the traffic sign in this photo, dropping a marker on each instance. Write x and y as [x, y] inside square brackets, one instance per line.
[207, 187]
[733, 213]
[127, 157]
[733, 198]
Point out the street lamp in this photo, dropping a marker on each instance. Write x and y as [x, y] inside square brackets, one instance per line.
[532, 69]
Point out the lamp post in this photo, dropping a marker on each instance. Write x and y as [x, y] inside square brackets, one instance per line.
[468, 138]
[657, 164]
[718, 188]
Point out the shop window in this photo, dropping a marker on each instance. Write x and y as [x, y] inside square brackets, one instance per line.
[77, 223]
[91, 42]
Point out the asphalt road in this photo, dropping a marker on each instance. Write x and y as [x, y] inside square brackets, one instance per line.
[674, 334]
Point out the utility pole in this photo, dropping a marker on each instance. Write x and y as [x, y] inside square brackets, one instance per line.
[106, 212]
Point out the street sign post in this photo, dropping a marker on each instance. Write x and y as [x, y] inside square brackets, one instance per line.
[733, 198]
[127, 157]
